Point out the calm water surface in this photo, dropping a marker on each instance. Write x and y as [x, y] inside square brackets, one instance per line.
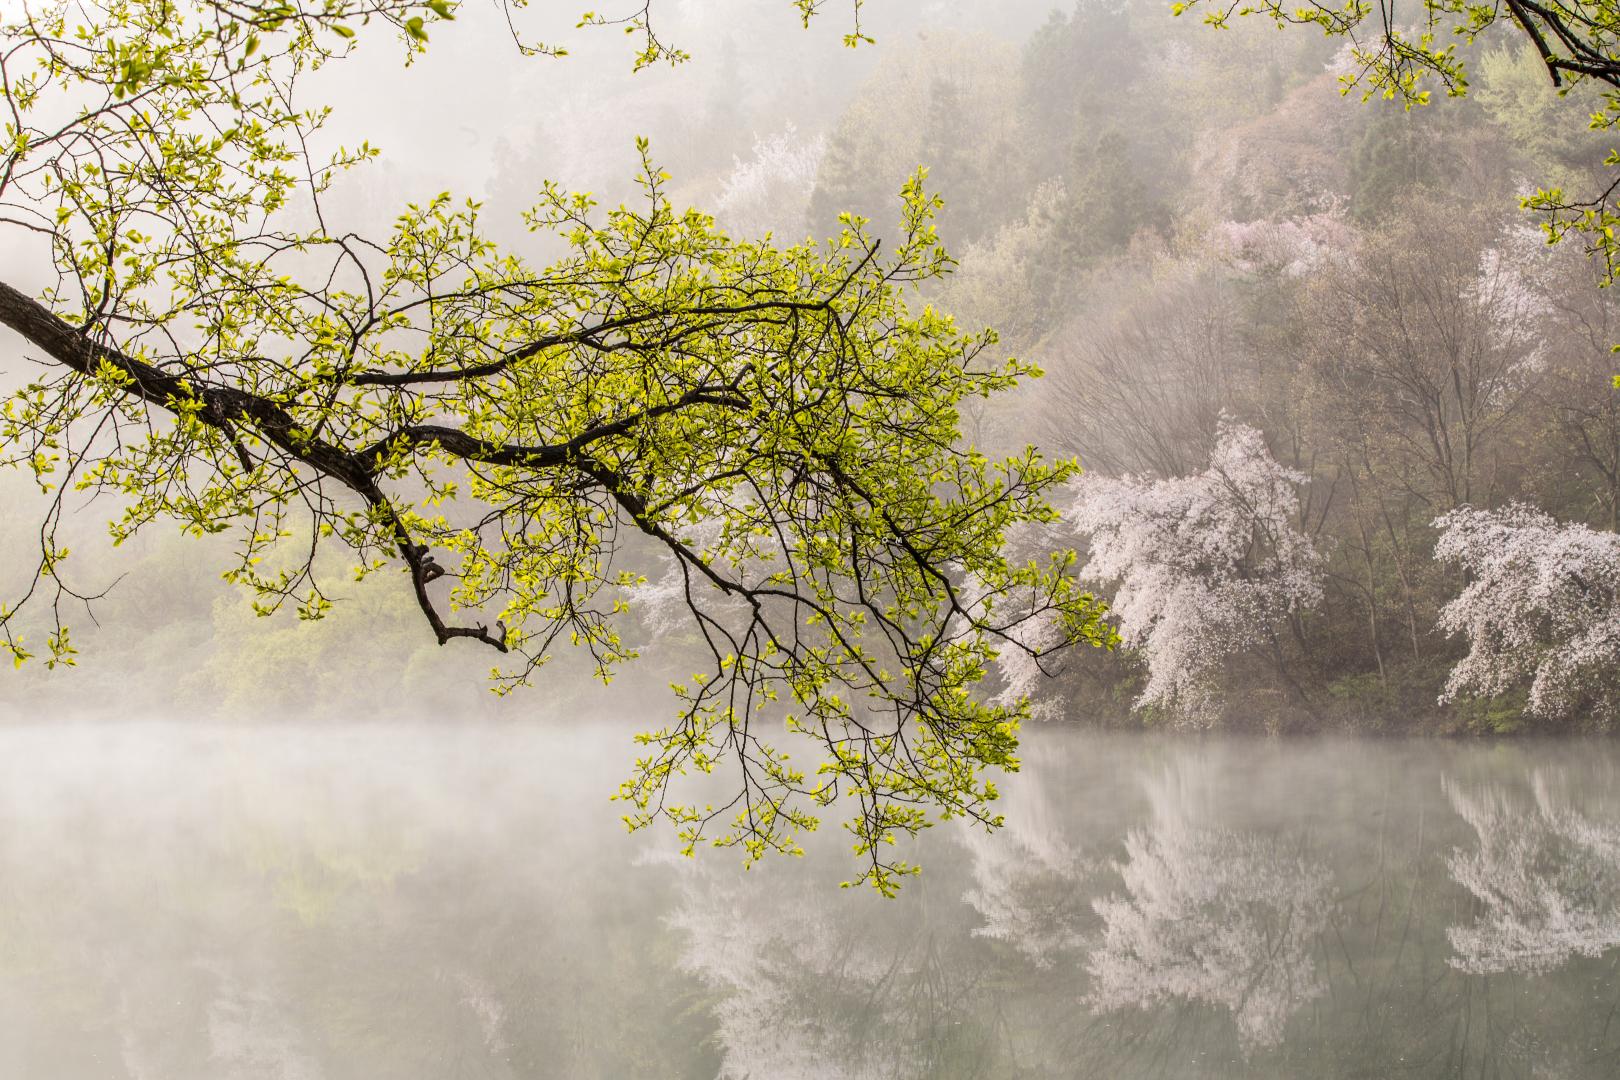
[414, 902]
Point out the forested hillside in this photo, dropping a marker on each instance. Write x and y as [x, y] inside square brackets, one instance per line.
[1194, 232]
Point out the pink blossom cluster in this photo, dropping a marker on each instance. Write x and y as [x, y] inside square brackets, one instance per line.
[1542, 603]
[1202, 566]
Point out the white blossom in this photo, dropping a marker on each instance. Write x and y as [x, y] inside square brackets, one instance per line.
[1032, 634]
[1518, 289]
[1542, 604]
[1019, 665]
[771, 190]
[1292, 248]
[661, 598]
[1204, 566]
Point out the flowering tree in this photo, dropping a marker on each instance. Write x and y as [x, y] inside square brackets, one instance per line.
[770, 192]
[1542, 604]
[1204, 566]
[1294, 248]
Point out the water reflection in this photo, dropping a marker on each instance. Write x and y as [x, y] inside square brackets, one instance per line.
[290, 905]
[1029, 878]
[857, 988]
[1212, 915]
[418, 902]
[1545, 873]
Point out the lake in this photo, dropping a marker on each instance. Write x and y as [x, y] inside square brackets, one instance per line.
[428, 902]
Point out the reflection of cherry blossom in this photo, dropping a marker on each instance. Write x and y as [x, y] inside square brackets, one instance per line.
[484, 1001]
[251, 1035]
[1215, 916]
[1547, 876]
[1027, 876]
[800, 992]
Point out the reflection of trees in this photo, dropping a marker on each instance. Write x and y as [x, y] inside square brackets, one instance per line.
[1027, 876]
[279, 914]
[762, 966]
[250, 1035]
[271, 911]
[1225, 918]
[817, 984]
[1546, 875]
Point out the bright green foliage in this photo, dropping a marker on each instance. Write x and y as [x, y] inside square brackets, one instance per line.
[1515, 93]
[1397, 54]
[781, 423]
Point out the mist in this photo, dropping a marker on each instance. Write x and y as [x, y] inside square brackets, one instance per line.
[1153, 611]
[330, 902]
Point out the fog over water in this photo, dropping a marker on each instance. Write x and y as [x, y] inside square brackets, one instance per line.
[417, 901]
[1350, 445]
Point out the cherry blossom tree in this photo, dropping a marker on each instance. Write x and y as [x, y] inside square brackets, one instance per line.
[1203, 566]
[1034, 639]
[1542, 605]
[770, 192]
[1293, 248]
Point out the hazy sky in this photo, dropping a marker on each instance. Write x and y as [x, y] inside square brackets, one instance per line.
[442, 120]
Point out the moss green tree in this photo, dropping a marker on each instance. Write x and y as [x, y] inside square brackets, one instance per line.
[782, 422]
